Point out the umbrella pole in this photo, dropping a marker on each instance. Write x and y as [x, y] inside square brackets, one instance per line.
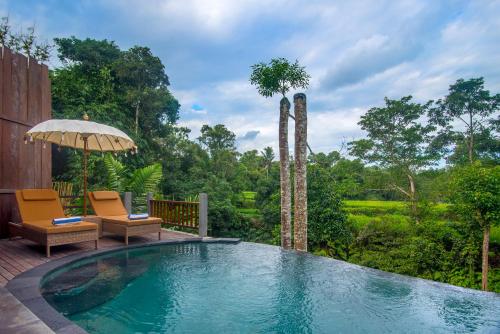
[85, 152]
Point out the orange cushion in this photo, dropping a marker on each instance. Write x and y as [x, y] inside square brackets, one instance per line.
[39, 194]
[105, 195]
[46, 226]
[39, 204]
[123, 220]
[107, 203]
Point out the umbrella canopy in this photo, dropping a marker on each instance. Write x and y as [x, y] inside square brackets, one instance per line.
[72, 133]
[85, 135]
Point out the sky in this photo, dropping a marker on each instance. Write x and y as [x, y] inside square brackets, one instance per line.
[357, 53]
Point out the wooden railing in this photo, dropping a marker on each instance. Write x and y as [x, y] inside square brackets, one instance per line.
[176, 213]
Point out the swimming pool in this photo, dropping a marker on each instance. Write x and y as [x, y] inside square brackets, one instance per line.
[250, 288]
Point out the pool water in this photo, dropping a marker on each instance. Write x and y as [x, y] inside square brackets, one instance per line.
[253, 288]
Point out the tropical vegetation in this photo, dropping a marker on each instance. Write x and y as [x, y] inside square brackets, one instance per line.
[417, 196]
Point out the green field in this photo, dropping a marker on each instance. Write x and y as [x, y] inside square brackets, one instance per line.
[360, 213]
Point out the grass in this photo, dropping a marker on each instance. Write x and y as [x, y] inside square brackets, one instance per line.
[379, 208]
[495, 235]
[359, 221]
[360, 213]
[376, 204]
[249, 212]
[249, 195]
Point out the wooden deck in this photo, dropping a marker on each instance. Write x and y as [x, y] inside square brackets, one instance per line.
[19, 255]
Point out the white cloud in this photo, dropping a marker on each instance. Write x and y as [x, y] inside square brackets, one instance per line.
[357, 53]
[215, 19]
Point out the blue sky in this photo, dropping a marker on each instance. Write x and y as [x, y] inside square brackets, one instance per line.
[356, 51]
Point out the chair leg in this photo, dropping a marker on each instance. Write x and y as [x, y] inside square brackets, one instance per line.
[47, 250]
[96, 244]
[159, 235]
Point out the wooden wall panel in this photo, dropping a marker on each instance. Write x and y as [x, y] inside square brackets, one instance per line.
[1, 81]
[24, 101]
[7, 83]
[46, 103]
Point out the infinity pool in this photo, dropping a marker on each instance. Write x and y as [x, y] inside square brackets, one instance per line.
[252, 288]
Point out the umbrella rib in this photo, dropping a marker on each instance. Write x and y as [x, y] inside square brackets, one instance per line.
[112, 147]
[98, 142]
[121, 145]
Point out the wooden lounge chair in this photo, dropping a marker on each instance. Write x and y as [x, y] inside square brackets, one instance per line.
[37, 208]
[109, 207]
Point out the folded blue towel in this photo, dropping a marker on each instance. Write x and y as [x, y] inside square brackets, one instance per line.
[70, 220]
[138, 216]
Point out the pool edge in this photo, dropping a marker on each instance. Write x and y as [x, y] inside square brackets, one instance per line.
[25, 287]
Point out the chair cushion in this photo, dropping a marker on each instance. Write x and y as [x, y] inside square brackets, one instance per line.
[107, 203]
[123, 220]
[39, 194]
[46, 226]
[38, 204]
[105, 195]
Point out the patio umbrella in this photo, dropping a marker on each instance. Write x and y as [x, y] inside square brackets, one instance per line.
[85, 135]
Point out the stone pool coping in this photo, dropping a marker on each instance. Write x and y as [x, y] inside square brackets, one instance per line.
[26, 286]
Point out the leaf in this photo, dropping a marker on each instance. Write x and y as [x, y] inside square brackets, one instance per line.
[116, 172]
[145, 179]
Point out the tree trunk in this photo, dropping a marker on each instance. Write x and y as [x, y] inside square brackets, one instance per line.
[286, 227]
[300, 184]
[486, 248]
[412, 194]
[137, 117]
[471, 139]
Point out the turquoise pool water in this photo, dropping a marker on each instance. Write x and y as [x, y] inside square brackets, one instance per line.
[252, 288]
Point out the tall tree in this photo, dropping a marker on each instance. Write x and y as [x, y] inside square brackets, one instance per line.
[267, 158]
[88, 82]
[278, 77]
[470, 104]
[300, 180]
[476, 194]
[399, 140]
[217, 138]
[220, 143]
[143, 74]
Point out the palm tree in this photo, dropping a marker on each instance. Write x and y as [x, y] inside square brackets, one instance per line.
[278, 77]
[267, 158]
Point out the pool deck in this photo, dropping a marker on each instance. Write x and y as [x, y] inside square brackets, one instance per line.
[20, 255]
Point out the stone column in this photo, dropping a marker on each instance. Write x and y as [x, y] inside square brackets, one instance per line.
[127, 199]
[203, 215]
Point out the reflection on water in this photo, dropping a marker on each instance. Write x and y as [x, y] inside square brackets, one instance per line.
[82, 288]
[251, 288]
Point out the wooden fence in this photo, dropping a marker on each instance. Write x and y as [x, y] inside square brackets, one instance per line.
[181, 213]
[176, 213]
[25, 100]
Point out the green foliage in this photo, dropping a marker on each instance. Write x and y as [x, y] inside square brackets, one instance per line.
[116, 85]
[96, 79]
[476, 194]
[279, 76]
[27, 42]
[326, 218]
[398, 140]
[217, 138]
[475, 108]
[139, 182]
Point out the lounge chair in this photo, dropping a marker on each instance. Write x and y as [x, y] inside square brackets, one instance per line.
[38, 208]
[109, 207]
